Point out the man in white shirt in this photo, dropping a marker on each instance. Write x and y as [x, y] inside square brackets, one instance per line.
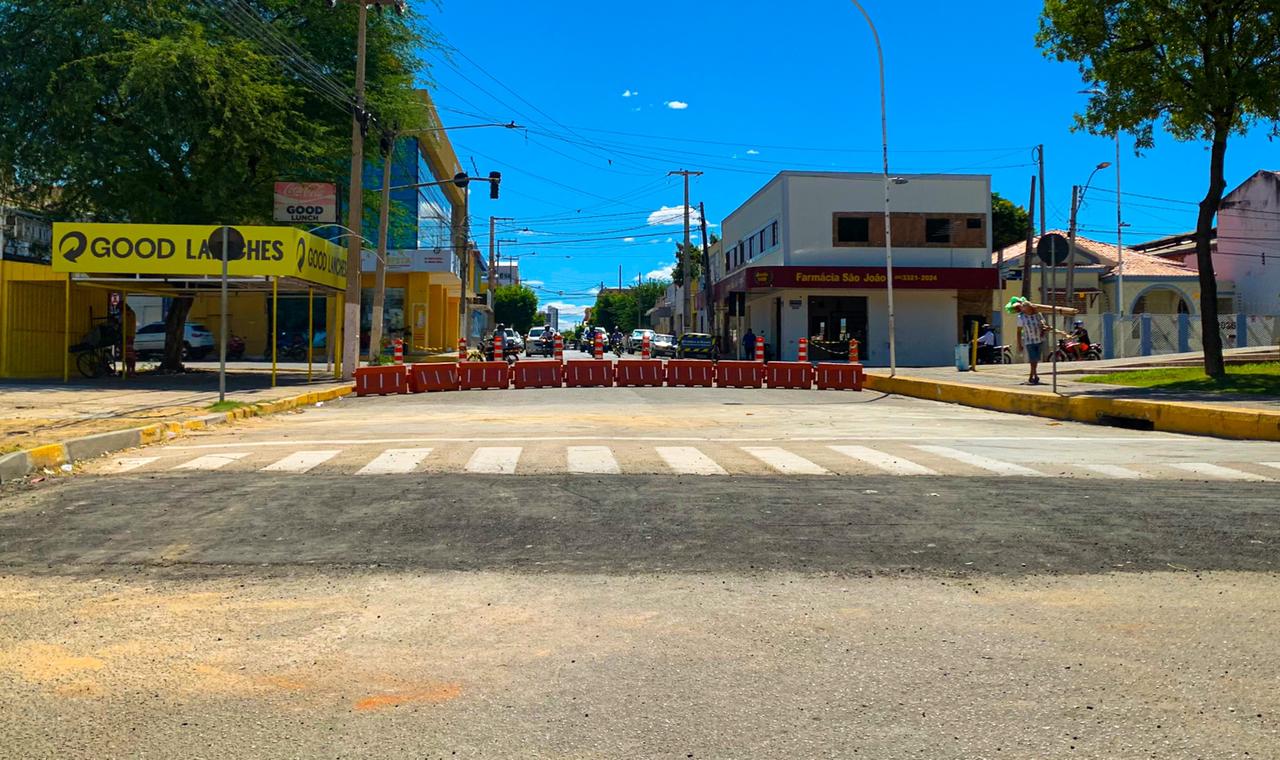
[987, 345]
[1031, 332]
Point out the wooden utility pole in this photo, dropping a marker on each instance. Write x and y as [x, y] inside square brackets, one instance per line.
[686, 270]
[1031, 233]
[380, 267]
[355, 205]
[706, 268]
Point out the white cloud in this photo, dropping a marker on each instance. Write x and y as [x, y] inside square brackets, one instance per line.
[671, 216]
[533, 283]
[752, 152]
[663, 272]
[671, 240]
[675, 105]
[628, 240]
[630, 93]
[568, 309]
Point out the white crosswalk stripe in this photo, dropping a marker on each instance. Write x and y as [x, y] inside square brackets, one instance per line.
[1217, 471]
[1275, 465]
[687, 460]
[131, 463]
[883, 461]
[495, 460]
[395, 461]
[983, 463]
[592, 460]
[213, 461]
[784, 461]
[1115, 471]
[301, 461]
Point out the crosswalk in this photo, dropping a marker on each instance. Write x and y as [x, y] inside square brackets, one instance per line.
[798, 459]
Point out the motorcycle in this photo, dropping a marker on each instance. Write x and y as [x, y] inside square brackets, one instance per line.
[1070, 349]
[510, 352]
[616, 347]
[998, 355]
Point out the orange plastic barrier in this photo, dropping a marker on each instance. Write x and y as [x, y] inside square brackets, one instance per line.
[840, 377]
[380, 381]
[541, 374]
[588, 373]
[640, 373]
[737, 374]
[483, 375]
[789, 375]
[692, 373]
[424, 378]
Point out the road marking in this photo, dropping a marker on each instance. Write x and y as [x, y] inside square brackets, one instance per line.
[983, 463]
[301, 461]
[395, 461]
[495, 460]
[886, 462]
[212, 461]
[1276, 465]
[784, 461]
[1217, 471]
[687, 460]
[1115, 471]
[132, 463]
[592, 460]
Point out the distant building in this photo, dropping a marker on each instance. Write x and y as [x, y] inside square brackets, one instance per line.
[508, 274]
[1248, 252]
[553, 318]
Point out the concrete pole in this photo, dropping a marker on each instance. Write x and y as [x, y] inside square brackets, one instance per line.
[355, 200]
[222, 329]
[380, 267]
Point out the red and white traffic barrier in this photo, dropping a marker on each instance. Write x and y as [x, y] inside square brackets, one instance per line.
[462, 349]
[644, 347]
[559, 348]
[499, 346]
[398, 350]
[759, 348]
[599, 347]
[803, 355]
[853, 351]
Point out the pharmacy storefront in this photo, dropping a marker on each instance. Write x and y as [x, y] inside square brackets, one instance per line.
[831, 305]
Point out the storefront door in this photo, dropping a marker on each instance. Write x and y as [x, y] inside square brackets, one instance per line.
[833, 320]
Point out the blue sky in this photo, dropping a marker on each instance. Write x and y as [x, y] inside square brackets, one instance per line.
[615, 95]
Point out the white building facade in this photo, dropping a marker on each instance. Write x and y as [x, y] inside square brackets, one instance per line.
[805, 257]
[1248, 253]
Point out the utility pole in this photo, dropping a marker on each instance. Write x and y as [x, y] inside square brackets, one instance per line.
[355, 204]
[685, 269]
[380, 267]
[1031, 233]
[1043, 231]
[706, 272]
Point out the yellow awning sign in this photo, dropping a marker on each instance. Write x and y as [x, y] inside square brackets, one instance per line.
[174, 250]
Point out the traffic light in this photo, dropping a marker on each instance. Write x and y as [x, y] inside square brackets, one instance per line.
[461, 179]
[494, 179]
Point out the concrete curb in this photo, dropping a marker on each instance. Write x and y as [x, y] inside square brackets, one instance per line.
[1167, 416]
[54, 455]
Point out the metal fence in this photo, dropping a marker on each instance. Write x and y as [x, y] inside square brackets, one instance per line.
[1155, 334]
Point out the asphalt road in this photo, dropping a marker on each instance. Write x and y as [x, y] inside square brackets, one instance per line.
[563, 574]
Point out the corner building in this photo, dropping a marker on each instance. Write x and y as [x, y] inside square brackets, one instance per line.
[805, 257]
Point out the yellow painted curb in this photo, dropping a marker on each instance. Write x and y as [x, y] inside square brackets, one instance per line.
[1219, 421]
[52, 455]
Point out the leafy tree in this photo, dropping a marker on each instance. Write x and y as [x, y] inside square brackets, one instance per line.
[1008, 222]
[615, 309]
[540, 319]
[1203, 69]
[695, 263]
[515, 306]
[647, 294]
[167, 111]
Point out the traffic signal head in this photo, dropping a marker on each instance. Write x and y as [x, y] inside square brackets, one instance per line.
[494, 179]
[461, 179]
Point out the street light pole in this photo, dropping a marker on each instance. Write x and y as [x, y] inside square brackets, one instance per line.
[888, 235]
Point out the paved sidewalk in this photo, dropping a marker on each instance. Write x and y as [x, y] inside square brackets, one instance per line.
[38, 412]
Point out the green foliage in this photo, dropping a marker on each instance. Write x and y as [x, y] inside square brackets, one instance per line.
[647, 294]
[515, 306]
[615, 309]
[695, 262]
[540, 319]
[1261, 379]
[1008, 222]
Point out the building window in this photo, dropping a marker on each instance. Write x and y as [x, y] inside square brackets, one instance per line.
[774, 226]
[751, 247]
[727, 263]
[853, 229]
[937, 230]
[762, 245]
[974, 223]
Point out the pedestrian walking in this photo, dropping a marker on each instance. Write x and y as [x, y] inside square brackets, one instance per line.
[1031, 331]
[749, 345]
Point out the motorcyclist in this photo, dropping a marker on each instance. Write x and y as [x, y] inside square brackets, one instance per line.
[615, 337]
[1079, 334]
[987, 345]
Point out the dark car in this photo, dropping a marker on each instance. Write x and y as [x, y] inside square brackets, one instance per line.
[696, 346]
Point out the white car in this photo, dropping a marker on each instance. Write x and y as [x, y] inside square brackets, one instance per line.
[637, 340]
[197, 341]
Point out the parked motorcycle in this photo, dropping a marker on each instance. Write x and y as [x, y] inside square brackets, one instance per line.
[998, 355]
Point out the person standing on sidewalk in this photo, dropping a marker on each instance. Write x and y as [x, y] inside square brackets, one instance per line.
[1031, 331]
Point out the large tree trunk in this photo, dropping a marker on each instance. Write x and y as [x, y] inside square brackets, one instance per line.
[175, 334]
[1211, 337]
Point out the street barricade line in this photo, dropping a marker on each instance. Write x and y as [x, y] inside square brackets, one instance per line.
[648, 373]
[539, 374]
[588, 373]
[740, 374]
[796, 375]
[381, 381]
[483, 376]
[693, 373]
[424, 378]
[839, 377]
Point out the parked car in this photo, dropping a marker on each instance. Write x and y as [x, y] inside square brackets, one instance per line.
[540, 342]
[696, 346]
[637, 340]
[197, 341]
[513, 340]
[663, 345]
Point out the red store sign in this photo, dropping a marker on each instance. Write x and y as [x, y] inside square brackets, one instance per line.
[860, 278]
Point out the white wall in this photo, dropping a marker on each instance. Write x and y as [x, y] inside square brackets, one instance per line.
[812, 199]
[760, 209]
[1248, 225]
